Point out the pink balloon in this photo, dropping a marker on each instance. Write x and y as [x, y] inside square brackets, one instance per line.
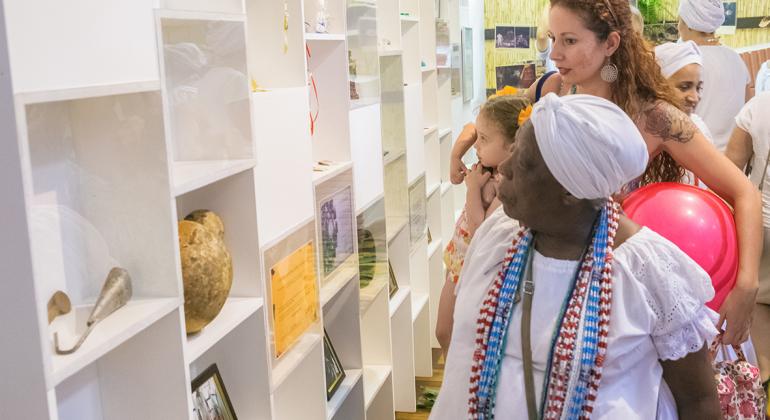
[698, 222]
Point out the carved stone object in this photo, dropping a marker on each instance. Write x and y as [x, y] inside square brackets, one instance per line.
[207, 268]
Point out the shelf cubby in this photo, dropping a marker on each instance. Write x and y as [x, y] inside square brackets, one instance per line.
[205, 85]
[428, 33]
[444, 100]
[285, 151]
[410, 43]
[270, 47]
[396, 196]
[409, 8]
[388, 25]
[328, 64]
[423, 358]
[335, 15]
[433, 210]
[372, 253]
[157, 381]
[233, 200]
[432, 162]
[221, 6]
[363, 53]
[241, 357]
[116, 48]
[430, 102]
[415, 134]
[417, 211]
[393, 116]
[366, 149]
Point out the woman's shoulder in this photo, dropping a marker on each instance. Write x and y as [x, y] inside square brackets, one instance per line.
[549, 82]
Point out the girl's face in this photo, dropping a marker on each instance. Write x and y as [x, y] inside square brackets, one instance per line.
[687, 85]
[577, 52]
[491, 147]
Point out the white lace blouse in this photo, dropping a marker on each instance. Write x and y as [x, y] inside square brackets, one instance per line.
[658, 313]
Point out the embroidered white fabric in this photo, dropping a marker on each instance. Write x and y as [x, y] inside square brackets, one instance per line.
[677, 289]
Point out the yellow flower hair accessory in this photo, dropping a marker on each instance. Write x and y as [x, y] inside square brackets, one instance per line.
[507, 91]
[524, 115]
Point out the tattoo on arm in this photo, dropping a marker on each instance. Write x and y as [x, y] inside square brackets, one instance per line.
[665, 121]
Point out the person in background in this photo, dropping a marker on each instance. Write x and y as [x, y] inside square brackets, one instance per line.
[750, 142]
[543, 41]
[725, 76]
[491, 136]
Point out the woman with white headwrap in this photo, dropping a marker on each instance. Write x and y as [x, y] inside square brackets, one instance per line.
[725, 76]
[598, 53]
[566, 316]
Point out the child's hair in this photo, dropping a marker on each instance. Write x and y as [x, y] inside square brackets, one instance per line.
[504, 110]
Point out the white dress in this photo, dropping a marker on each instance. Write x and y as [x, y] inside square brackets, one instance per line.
[658, 312]
[725, 77]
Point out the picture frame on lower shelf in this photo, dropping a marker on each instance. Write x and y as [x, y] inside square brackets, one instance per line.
[209, 397]
[335, 374]
[392, 284]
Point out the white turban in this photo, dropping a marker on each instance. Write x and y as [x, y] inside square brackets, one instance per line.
[589, 144]
[702, 15]
[672, 57]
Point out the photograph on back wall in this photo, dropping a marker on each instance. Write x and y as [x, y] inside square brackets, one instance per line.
[512, 37]
[519, 76]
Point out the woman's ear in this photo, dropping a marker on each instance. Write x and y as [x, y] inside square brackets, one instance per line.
[613, 43]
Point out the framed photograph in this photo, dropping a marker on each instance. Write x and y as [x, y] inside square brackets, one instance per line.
[337, 233]
[393, 284]
[466, 39]
[519, 76]
[512, 37]
[731, 19]
[209, 397]
[335, 374]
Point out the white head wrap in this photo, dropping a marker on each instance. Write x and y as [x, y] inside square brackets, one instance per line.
[672, 57]
[702, 15]
[589, 144]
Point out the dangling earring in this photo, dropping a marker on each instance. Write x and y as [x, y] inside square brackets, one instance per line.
[609, 72]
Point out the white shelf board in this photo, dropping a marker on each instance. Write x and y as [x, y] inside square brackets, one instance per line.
[34, 97]
[392, 157]
[352, 377]
[401, 225]
[113, 331]
[434, 246]
[292, 358]
[432, 189]
[339, 279]
[444, 132]
[191, 175]
[428, 69]
[235, 311]
[401, 296]
[419, 301]
[330, 171]
[409, 19]
[310, 36]
[429, 130]
[445, 187]
[375, 377]
[369, 294]
[390, 52]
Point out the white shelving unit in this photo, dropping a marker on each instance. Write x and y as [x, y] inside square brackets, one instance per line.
[159, 108]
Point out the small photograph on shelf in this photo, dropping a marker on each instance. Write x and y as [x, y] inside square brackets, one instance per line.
[294, 296]
[336, 219]
[512, 37]
[392, 284]
[335, 374]
[209, 397]
[519, 76]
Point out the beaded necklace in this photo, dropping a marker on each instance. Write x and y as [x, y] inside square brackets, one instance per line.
[579, 343]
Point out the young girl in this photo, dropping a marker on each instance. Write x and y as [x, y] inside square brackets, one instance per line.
[491, 136]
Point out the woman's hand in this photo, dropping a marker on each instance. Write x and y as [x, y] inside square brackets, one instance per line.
[737, 310]
[466, 139]
[477, 177]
